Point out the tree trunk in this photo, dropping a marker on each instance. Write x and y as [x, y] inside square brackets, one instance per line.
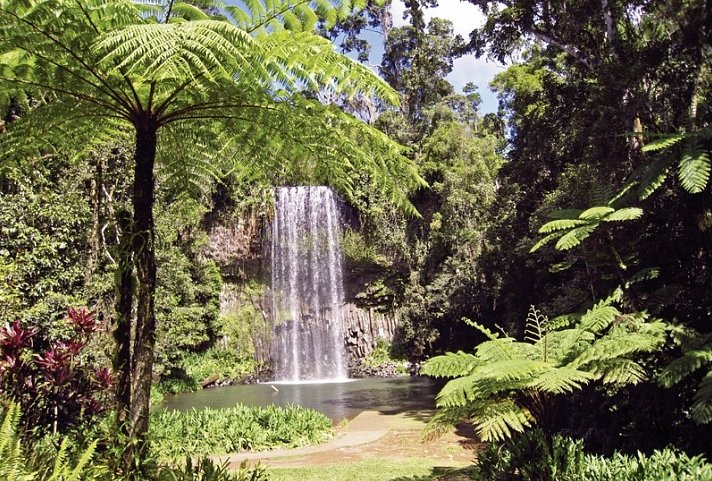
[122, 330]
[144, 261]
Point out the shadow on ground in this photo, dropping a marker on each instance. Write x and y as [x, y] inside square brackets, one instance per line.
[442, 473]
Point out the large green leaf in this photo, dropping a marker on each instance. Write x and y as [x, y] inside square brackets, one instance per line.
[694, 169]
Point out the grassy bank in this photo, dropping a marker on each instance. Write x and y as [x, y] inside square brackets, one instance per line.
[407, 469]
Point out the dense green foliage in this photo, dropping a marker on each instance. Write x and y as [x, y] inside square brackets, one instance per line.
[16, 464]
[177, 434]
[508, 385]
[592, 179]
[534, 458]
[50, 373]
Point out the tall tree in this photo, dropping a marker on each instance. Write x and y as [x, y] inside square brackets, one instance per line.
[190, 91]
[417, 59]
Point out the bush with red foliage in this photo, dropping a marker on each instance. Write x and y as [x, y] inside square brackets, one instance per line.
[49, 379]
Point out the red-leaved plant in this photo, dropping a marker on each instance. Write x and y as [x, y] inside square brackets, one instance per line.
[54, 387]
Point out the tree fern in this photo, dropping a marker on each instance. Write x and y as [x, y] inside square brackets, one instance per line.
[571, 227]
[696, 356]
[685, 149]
[451, 364]
[507, 384]
[150, 71]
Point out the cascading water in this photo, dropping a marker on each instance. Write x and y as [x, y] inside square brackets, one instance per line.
[307, 286]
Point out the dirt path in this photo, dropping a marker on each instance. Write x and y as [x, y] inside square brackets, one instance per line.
[374, 435]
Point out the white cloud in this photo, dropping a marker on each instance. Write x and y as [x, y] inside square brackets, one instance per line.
[465, 17]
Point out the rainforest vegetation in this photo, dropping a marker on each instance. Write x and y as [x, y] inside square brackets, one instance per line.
[550, 260]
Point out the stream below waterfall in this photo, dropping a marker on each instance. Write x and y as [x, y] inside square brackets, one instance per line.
[338, 400]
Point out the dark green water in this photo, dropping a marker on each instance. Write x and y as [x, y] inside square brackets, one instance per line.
[338, 400]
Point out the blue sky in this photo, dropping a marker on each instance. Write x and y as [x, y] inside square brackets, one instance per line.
[465, 17]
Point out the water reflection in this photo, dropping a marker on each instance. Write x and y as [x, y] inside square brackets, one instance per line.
[338, 400]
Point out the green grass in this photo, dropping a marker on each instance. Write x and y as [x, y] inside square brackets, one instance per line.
[407, 469]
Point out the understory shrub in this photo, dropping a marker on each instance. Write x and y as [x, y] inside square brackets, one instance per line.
[176, 434]
[226, 363]
[533, 456]
[48, 373]
[49, 464]
[381, 355]
[195, 367]
[206, 470]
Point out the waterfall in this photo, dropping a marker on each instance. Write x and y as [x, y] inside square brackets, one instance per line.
[307, 285]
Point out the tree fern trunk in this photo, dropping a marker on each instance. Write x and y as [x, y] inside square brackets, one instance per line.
[144, 256]
[124, 314]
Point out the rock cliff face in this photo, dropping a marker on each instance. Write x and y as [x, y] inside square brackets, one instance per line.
[364, 326]
[241, 248]
[238, 247]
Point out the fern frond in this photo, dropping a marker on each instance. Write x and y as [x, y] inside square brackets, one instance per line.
[13, 464]
[450, 365]
[618, 345]
[618, 371]
[702, 401]
[487, 332]
[565, 344]
[446, 418]
[621, 194]
[694, 168]
[496, 349]
[596, 213]
[59, 467]
[626, 213]
[545, 240]
[560, 380]
[691, 361]
[457, 392]
[510, 370]
[654, 176]
[534, 327]
[647, 274]
[496, 421]
[598, 317]
[663, 142]
[575, 236]
[563, 321]
[561, 224]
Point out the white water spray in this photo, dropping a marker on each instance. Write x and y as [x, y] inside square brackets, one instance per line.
[307, 286]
